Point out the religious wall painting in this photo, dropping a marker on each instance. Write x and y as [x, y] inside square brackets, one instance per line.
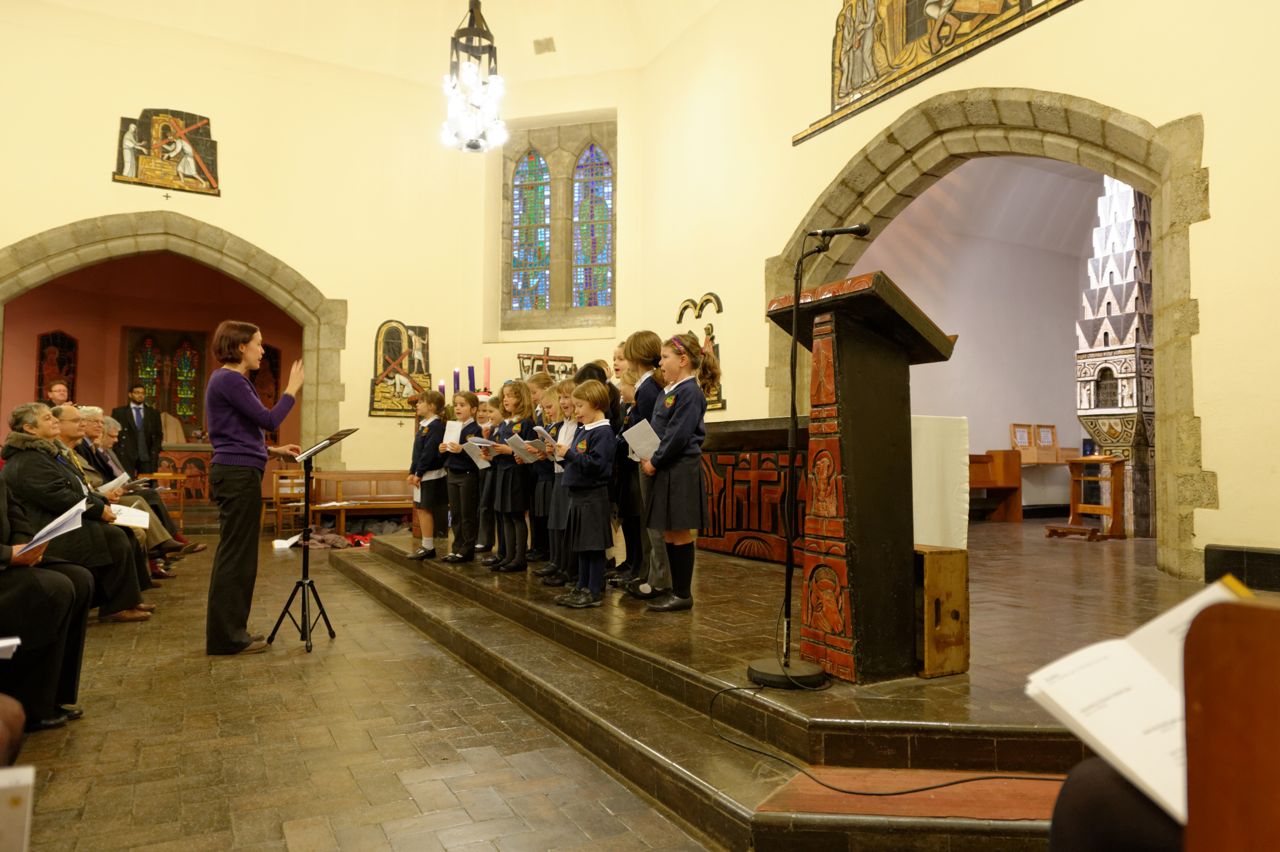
[695, 309]
[401, 369]
[560, 367]
[169, 149]
[881, 47]
[56, 356]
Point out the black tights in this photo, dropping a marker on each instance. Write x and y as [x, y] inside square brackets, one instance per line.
[516, 533]
[681, 558]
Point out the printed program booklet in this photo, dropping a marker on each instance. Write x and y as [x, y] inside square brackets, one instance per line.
[1124, 698]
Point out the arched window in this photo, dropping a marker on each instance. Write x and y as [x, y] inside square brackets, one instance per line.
[531, 234]
[1107, 390]
[593, 229]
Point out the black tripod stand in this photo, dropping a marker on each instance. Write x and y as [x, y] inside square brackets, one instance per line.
[306, 586]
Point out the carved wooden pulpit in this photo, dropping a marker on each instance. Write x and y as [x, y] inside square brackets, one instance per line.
[858, 610]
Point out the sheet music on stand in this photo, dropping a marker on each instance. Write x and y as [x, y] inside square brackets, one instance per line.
[323, 445]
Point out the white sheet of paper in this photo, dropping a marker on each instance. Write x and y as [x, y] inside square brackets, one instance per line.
[417, 493]
[127, 516]
[544, 435]
[285, 543]
[472, 449]
[483, 442]
[536, 445]
[453, 432]
[119, 482]
[642, 440]
[8, 645]
[517, 443]
[64, 523]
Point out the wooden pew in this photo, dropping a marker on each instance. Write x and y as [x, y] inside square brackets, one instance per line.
[999, 474]
[1231, 665]
[359, 492]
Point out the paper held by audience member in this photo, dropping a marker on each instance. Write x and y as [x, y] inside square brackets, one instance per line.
[64, 523]
[1124, 698]
[642, 440]
[119, 482]
[8, 645]
[285, 543]
[472, 449]
[516, 443]
[127, 516]
[453, 432]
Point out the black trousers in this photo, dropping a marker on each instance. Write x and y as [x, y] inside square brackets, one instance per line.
[118, 585]
[52, 607]
[464, 506]
[1098, 810]
[486, 532]
[238, 492]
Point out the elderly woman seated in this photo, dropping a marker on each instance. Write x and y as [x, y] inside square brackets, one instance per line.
[43, 476]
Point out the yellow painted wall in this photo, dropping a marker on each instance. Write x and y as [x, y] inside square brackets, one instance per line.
[338, 173]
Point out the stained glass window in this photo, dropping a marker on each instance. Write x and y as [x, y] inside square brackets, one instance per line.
[146, 368]
[186, 361]
[593, 229]
[531, 234]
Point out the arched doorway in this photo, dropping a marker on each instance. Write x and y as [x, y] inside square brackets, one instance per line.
[34, 261]
[937, 135]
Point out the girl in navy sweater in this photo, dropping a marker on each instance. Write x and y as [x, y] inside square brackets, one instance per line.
[588, 467]
[511, 484]
[643, 350]
[426, 471]
[464, 480]
[678, 502]
[557, 571]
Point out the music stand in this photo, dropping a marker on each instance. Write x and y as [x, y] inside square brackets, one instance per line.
[306, 585]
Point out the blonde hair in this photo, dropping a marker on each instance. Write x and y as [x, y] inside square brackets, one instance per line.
[524, 400]
[541, 381]
[705, 368]
[629, 377]
[565, 387]
[643, 348]
[551, 410]
[593, 393]
[603, 365]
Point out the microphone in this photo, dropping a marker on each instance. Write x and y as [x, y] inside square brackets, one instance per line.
[859, 230]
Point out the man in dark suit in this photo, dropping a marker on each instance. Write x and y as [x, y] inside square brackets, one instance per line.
[141, 433]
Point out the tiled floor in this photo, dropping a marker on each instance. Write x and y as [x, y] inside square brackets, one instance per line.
[377, 740]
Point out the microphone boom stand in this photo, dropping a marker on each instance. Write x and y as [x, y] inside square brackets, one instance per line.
[780, 671]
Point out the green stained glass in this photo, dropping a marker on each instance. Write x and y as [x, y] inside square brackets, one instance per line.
[531, 234]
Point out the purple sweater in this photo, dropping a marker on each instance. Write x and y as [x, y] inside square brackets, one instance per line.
[237, 418]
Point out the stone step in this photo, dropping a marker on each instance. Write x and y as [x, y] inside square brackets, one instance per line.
[836, 727]
[662, 746]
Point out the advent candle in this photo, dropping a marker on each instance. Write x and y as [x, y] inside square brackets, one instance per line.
[457, 380]
[487, 386]
[442, 388]
[471, 377]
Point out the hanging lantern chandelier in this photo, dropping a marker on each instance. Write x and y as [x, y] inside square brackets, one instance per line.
[473, 88]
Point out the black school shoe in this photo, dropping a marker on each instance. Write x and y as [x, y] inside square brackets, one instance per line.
[495, 559]
[511, 568]
[547, 570]
[422, 553]
[556, 579]
[571, 595]
[641, 590]
[670, 602]
[585, 600]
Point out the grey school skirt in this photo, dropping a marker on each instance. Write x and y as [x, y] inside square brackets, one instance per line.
[678, 498]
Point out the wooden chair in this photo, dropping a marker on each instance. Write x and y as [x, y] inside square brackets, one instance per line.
[1231, 665]
[172, 490]
[287, 485]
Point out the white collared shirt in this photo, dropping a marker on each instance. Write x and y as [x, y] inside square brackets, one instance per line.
[568, 428]
[669, 388]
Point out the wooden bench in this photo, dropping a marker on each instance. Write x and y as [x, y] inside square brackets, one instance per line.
[359, 492]
[999, 474]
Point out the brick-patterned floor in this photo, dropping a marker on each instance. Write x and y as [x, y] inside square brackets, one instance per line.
[377, 740]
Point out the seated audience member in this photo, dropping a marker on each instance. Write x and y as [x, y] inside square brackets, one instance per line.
[45, 480]
[106, 443]
[56, 393]
[46, 606]
[12, 721]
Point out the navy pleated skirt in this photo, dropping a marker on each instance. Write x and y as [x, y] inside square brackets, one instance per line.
[678, 499]
[588, 526]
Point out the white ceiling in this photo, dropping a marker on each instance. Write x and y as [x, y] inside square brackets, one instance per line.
[410, 38]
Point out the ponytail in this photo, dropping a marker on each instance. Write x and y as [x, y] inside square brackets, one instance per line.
[705, 367]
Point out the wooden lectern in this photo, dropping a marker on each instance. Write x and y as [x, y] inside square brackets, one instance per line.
[858, 610]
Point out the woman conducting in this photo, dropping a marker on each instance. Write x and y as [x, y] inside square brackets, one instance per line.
[237, 420]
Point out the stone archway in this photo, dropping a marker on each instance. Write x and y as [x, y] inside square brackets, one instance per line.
[936, 136]
[38, 259]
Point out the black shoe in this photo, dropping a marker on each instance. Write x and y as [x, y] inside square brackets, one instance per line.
[535, 556]
[496, 559]
[586, 600]
[72, 712]
[547, 570]
[512, 568]
[555, 580]
[452, 557]
[641, 590]
[422, 553]
[670, 602]
[48, 723]
[621, 578]
[571, 595]
[483, 548]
